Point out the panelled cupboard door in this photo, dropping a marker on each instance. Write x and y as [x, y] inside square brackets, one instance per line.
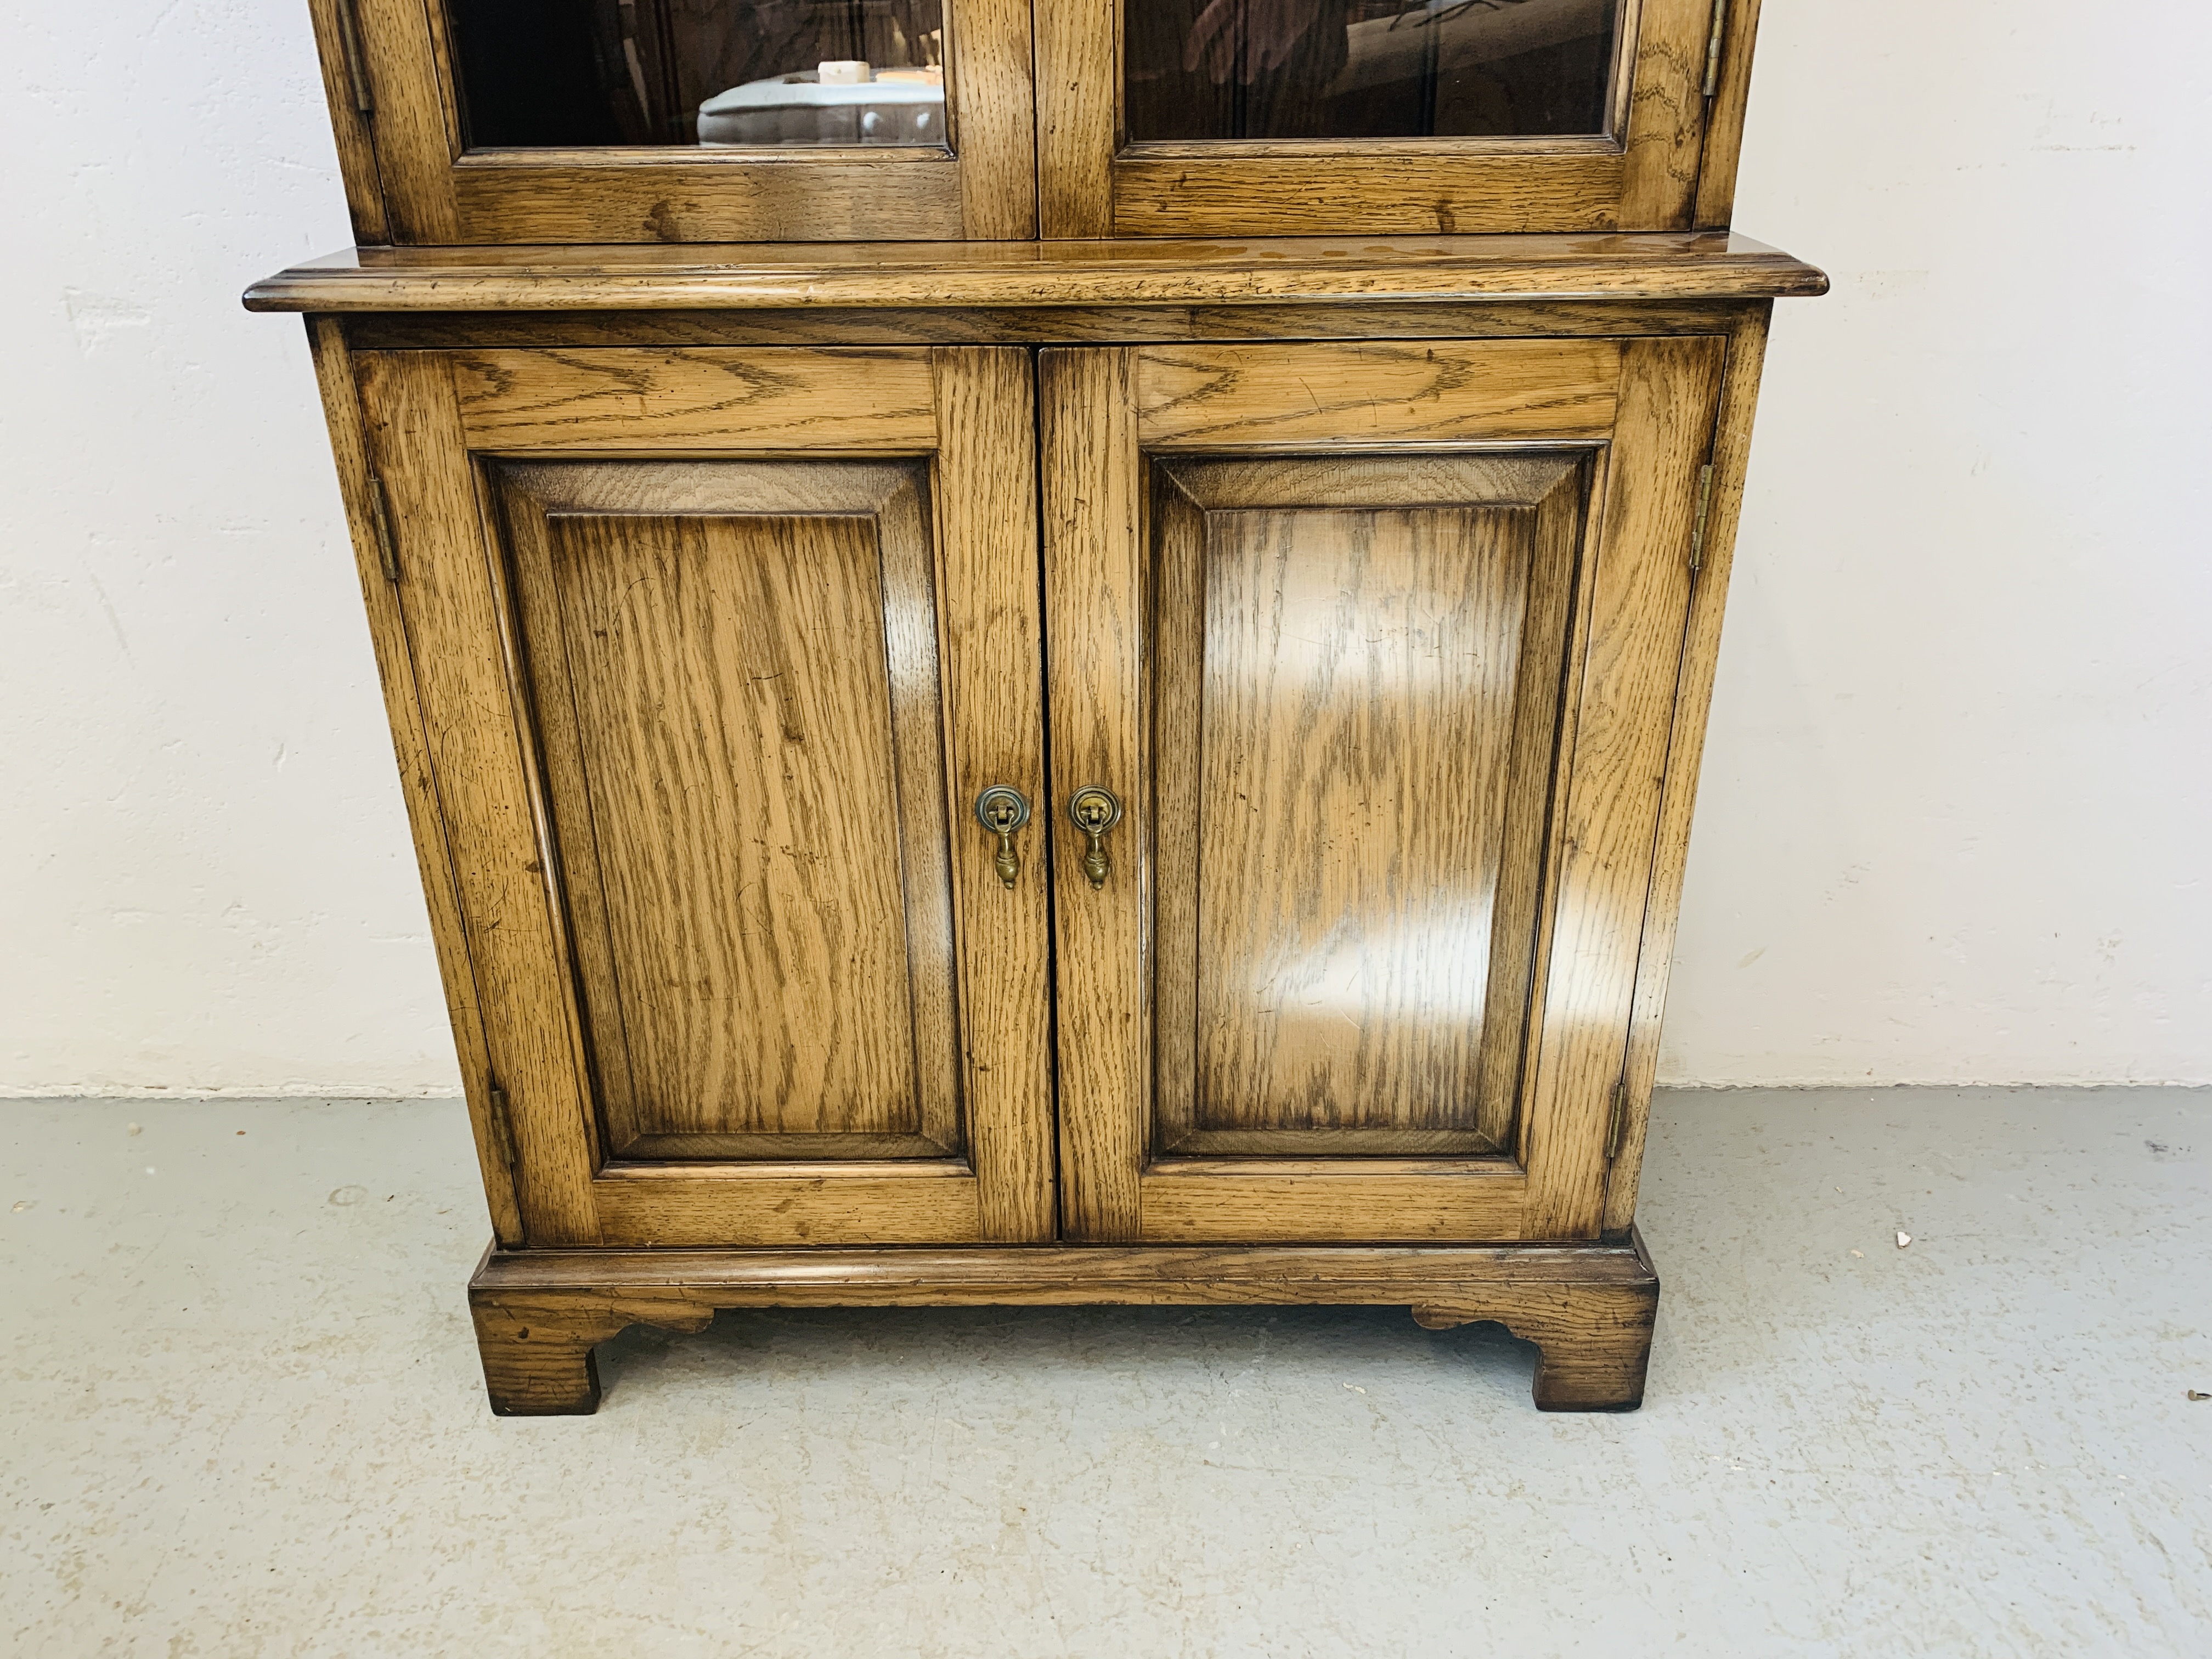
[1375, 646]
[602, 121]
[1283, 117]
[717, 649]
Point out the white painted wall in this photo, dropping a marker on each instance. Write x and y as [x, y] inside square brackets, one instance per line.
[1956, 818]
[1957, 809]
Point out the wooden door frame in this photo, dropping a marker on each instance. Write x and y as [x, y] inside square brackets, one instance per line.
[482, 819]
[1668, 164]
[388, 80]
[1647, 409]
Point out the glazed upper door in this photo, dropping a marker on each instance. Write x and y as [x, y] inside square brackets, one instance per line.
[1281, 118]
[716, 650]
[1375, 649]
[536, 121]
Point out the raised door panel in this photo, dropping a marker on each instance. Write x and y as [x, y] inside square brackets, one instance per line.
[1356, 671]
[593, 121]
[758, 979]
[1387, 720]
[734, 668]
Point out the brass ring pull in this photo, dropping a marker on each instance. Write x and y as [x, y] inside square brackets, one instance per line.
[1095, 812]
[1002, 810]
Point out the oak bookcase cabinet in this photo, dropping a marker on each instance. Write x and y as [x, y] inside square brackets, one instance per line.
[1047, 659]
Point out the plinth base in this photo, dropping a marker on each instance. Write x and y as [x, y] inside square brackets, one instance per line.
[1588, 1307]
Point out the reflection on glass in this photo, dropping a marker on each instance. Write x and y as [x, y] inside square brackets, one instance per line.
[567, 73]
[1367, 69]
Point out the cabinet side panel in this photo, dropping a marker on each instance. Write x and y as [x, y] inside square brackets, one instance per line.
[349, 124]
[1609, 818]
[457, 639]
[410, 741]
[1693, 702]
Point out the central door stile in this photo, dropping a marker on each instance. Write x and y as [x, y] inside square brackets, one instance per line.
[987, 503]
[1096, 618]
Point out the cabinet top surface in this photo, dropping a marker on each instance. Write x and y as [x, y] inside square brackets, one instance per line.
[1651, 265]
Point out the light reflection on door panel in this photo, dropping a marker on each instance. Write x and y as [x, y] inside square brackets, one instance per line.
[1358, 716]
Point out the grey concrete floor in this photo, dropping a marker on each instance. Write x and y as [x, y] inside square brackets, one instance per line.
[243, 1417]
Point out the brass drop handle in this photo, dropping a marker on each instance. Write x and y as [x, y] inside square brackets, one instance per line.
[1002, 810]
[1095, 812]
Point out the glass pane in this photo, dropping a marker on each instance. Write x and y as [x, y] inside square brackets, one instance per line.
[719, 73]
[1367, 69]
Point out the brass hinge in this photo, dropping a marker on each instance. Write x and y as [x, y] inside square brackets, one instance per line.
[356, 61]
[387, 543]
[1698, 530]
[1617, 1125]
[502, 1133]
[1713, 48]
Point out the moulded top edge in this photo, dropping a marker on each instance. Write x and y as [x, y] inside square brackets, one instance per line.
[1629, 266]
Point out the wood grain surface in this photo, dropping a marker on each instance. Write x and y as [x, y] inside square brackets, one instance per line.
[416, 132]
[1589, 1308]
[700, 731]
[1254, 1203]
[350, 125]
[1354, 723]
[1260, 270]
[411, 740]
[1643, 176]
[1399, 189]
[1042, 326]
[1095, 588]
[1608, 817]
[909, 1201]
[1718, 167]
[1593, 860]
[1206, 396]
[512, 929]
[739, 703]
[1693, 695]
[683, 195]
[1079, 75]
[409, 173]
[838, 400]
[993, 96]
[1666, 111]
[1339, 667]
[986, 495]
